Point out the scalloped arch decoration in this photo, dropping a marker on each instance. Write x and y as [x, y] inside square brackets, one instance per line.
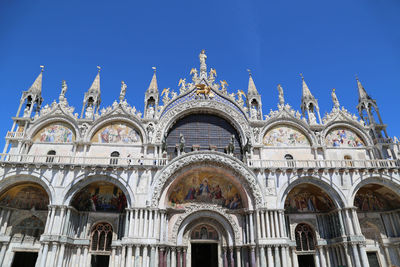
[343, 137]
[57, 132]
[117, 133]
[285, 136]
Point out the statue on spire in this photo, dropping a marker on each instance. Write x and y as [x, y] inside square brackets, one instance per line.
[335, 100]
[123, 91]
[281, 97]
[203, 66]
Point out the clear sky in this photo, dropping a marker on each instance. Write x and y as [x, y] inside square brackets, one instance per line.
[328, 41]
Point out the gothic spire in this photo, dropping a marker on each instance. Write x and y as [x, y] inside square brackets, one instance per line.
[153, 87]
[251, 90]
[36, 87]
[362, 94]
[306, 90]
[95, 87]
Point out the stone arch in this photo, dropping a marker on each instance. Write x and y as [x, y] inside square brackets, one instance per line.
[237, 119]
[384, 181]
[216, 219]
[335, 194]
[73, 188]
[165, 177]
[288, 123]
[352, 127]
[108, 120]
[41, 124]
[17, 179]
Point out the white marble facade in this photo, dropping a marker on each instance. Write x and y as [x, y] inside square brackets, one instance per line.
[110, 188]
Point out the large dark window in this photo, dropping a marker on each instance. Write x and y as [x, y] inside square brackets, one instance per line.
[203, 131]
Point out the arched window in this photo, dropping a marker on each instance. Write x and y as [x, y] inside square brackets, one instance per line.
[101, 237]
[348, 161]
[50, 156]
[289, 159]
[114, 158]
[304, 238]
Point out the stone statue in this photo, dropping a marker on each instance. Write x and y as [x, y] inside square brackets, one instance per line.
[247, 147]
[224, 84]
[311, 118]
[335, 99]
[150, 112]
[239, 94]
[123, 91]
[64, 88]
[181, 143]
[164, 143]
[281, 97]
[231, 146]
[182, 82]
[193, 72]
[89, 112]
[213, 74]
[253, 112]
[150, 131]
[165, 92]
[203, 57]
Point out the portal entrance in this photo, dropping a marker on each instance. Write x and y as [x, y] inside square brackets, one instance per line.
[26, 259]
[204, 254]
[306, 260]
[100, 260]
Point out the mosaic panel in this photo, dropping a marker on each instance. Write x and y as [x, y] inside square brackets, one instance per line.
[205, 187]
[117, 133]
[343, 138]
[285, 136]
[55, 133]
[25, 196]
[374, 197]
[308, 198]
[100, 196]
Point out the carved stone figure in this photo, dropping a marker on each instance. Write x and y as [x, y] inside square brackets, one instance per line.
[203, 89]
[224, 84]
[231, 146]
[181, 143]
[182, 89]
[247, 147]
[335, 100]
[123, 91]
[164, 143]
[165, 92]
[281, 97]
[64, 88]
[202, 57]
[193, 72]
[253, 112]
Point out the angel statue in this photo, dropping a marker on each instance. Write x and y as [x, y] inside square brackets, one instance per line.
[212, 73]
[182, 82]
[193, 72]
[240, 93]
[335, 100]
[165, 92]
[123, 91]
[202, 57]
[224, 84]
[281, 98]
[64, 88]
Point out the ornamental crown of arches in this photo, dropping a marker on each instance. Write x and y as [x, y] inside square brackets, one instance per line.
[122, 123]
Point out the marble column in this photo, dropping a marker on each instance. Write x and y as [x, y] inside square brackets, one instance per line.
[349, 223]
[251, 228]
[225, 257]
[173, 257]
[238, 258]
[161, 257]
[231, 251]
[123, 256]
[347, 254]
[284, 259]
[145, 256]
[267, 224]
[317, 258]
[294, 258]
[263, 260]
[272, 224]
[363, 254]
[78, 257]
[258, 224]
[262, 217]
[53, 254]
[322, 256]
[184, 258]
[129, 256]
[112, 264]
[356, 256]
[282, 223]
[276, 224]
[2, 252]
[253, 255]
[152, 256]
[137, 256]
[277, 258]
[179, 257]
[270, 258]
[44, 254]
[387, 254]
[131, 223]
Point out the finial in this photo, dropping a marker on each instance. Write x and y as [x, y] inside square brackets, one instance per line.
[99, 68]
[356, 76]
[301, 75]
[154, 69]
[249, 71]
[42, 68]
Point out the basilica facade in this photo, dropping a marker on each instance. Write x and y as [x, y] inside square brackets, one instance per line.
[201, 177]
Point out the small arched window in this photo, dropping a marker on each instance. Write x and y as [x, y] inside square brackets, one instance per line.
[289, 159]
[304, 238]
[50, 156]
[348, 160]
[101, 237]
[114, 158]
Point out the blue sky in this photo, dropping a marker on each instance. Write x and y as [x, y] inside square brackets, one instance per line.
[328, 41]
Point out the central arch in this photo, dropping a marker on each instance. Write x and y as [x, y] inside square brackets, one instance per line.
[181, 164]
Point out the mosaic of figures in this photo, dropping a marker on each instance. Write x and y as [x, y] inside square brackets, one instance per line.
[117, 133]
[27, 196]
[206, 187]
[308, 198]
[100, 196]
[374, 197]
[204, 232]
[55, 133]
[343, 138]
[283, 136]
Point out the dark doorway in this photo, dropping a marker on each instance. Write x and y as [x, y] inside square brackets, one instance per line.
[204, 255]
[100, 260]
[373, 259]
[306, 260]
[25, 259]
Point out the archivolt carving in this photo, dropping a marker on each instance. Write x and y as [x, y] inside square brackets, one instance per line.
[238, 119]
[216, 159]
[210, 209]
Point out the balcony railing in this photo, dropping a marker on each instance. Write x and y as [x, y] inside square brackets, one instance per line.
[383, 141]
[89, 161]
[149, 161]
[323, 164]
[15, 135]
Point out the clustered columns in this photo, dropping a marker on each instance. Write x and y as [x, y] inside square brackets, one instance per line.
[172, 256]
